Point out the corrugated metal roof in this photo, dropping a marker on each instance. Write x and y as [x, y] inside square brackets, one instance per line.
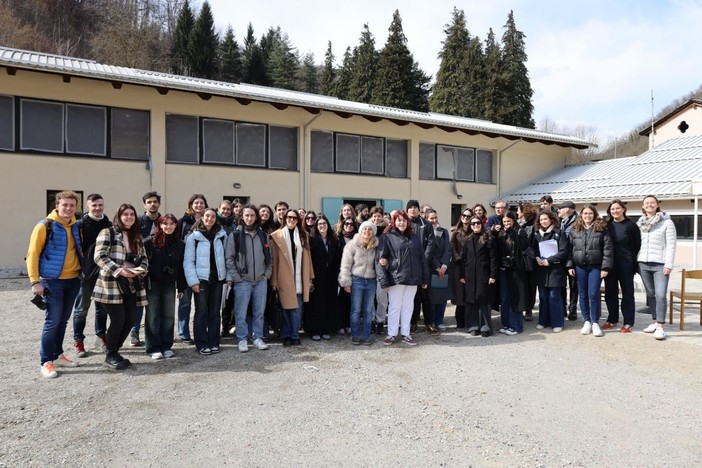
[87, 68]
[666, 171]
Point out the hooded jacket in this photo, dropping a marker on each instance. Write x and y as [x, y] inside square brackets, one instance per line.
[658, 243]
[357, 261]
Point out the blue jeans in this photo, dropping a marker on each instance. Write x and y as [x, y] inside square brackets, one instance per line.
[80, 313]
[137, 321]
[362, 297]
[60, 295]
[439, 311]
[291, 321]
[510, 318]
[588, 277]
[206, 321]
[550, 307]
[245, 292]
[184, 314]
[160, 317]
[621, 276]
[656, 285]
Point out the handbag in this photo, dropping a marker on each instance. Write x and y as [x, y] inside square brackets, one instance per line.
[437, 283]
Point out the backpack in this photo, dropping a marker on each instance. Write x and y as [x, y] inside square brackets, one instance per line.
[90, 270]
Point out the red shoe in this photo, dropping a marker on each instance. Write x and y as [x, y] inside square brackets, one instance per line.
[80, 348]
[626, 329]
[607, 326]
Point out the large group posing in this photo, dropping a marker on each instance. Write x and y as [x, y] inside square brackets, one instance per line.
[260, 273]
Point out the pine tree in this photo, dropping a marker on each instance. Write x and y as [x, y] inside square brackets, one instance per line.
[282, 63]
[203, 45]
[448, 96]
[475, 79]
[229, 58]
[181, 40]
[253, 66]
[309, 75]
[495, 99]
[421, 90]
[326, 86]
[516, 77]
[341, 90]
[363, 76]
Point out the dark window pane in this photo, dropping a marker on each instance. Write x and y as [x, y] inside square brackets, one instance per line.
[182, 138]
[348, 153]
[427, 159]
[251, 145]
[41, 126]
[465, 164]
[445, 161]
[282, 146]
[217, 141]
[396, 158]
[7, 123]
[372, 155]
[483, 171]
[86, 129]
[322, 152]
[131, 134]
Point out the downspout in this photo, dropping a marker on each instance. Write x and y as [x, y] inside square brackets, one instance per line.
[304, 179]
[499, 167]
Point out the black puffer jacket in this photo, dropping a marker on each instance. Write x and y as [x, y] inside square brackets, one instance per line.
[590, 247]
[553, 275]
[166, 264]
[406, 262]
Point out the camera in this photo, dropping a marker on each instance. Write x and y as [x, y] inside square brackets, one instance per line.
[134, 259]
[38, 301]
[507, 262]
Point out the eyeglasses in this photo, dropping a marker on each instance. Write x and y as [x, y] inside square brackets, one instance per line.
[322, 223]
[476, 223]
[311, 218]
[465, 216]
[348, 224]
[294, 218]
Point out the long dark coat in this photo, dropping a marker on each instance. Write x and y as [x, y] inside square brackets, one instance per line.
[511, 246]
[480, 263]
[455, 267]
[322, 310]
[554, 275]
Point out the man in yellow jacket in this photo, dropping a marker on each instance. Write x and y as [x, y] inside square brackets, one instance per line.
[53, 264]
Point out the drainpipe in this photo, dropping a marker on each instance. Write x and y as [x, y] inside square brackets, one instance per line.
[499, 167]
[305, 177]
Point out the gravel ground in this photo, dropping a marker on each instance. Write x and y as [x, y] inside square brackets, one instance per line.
[537, 399]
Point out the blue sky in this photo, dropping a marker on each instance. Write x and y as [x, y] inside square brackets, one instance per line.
[590, 63]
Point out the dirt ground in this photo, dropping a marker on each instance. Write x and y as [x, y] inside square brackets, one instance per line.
[537, 399]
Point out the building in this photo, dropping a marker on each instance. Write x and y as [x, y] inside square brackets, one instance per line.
[686, 120]
[68, 123]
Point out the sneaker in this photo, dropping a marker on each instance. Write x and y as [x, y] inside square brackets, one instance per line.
[243, 346]
[114, 363]
[607, 326]
[650, 329]
[48, 371]
[355, 341]
[287, 342]
[326, 337]
[502, 331]
[260, 345]
[596, 329]
[214, 350]
[626, 329]
[432, 330]
[587, 328]
[135, 341]
[348, 330]
[156, 356]
[205, 351]
[296, 342]
[474, 332]
[80, 348]
[659, 334]
[441, 327]
[485, 333]
[124, 361]
[557, 329]
[168, 354]
[540, 327]
[409, 341]
[573, 316]
[101, 343]
[388, 340]
[341, 331]
[511, 332]
[366, 342]
[316, 338]
[528, 316]
[63, 361]
[186, 340]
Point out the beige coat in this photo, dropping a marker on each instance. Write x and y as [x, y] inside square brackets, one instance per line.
[283, 278]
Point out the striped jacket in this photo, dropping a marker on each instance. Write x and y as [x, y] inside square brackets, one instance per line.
[109, 256]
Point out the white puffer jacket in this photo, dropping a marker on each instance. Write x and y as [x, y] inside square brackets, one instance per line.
[658, 244]
[357, 261]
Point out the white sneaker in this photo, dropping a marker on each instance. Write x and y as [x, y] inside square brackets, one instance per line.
[168, 353]
[243, 346]
[157, 356]
[587, 328]
[100, 344]
[48, 371]
[259, 344]
[557, 329]
[502, 331]
[441, 327]
[63, 361]
[540, 327]
[650, 329]
[510, 332]
[659, 334]
[596, 330]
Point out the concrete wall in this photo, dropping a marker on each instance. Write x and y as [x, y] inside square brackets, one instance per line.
[669, 129]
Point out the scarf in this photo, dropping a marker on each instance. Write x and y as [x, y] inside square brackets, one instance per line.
[297, 261]
[542, 232]
[646, 224]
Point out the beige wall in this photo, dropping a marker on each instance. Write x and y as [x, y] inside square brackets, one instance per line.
[692, 116]
[26, 177]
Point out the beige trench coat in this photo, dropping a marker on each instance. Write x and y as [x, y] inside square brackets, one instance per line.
[282, 277]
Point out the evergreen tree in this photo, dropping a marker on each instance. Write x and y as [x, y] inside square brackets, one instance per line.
[326, 85]
[253, 66]
[203, 45]
[181, 40]
[309, 75]
[229, 58]
[475, 79]
[421, 90]
[516, 77]
[495, 99]
[282, 63]
[363, 75]
[396, 84]
[341, 90]
[448, 96]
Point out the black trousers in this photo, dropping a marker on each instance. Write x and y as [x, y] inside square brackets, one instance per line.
[121, 322]
[570, 298]
[422, 300]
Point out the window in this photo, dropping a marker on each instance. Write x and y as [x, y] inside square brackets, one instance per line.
[454, 163]
[348, 153]
[86, 130]
[7, 123]
[359, 154]
[372, 155]
[51, 201]
[426, 161]
[217, 141]
[282, 144]
[396, 157]
[322, 149]
[41, 126]
[445, 162]
[684, 226]
[182, 139]
[251, 144]
[483, 171]
[465, 164]
[130, 134]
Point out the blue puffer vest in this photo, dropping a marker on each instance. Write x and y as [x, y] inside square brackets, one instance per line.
[54, 253]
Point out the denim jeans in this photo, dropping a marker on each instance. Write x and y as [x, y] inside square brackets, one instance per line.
[509, 317]
[80, 313]
[60, 295]
[621, 276]
[245, 292]
[184, 314]
[362, 296]
[656, 285]
[291, 321]
[589, 281]
[160, 317]
[138, 316]
[439, 311]
[206, 322]
[550, 307]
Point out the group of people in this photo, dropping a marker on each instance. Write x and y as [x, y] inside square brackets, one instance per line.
[255, 269]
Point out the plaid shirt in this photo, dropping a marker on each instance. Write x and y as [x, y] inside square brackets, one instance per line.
[110, 256]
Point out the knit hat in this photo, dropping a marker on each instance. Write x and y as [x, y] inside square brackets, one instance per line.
[367, 224]
[412, 203]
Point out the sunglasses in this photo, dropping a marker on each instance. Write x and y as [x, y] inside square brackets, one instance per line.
[291, 217]
[322, 223]
[476, 223]
[465, 216]
[348, 224]
[312, 218]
